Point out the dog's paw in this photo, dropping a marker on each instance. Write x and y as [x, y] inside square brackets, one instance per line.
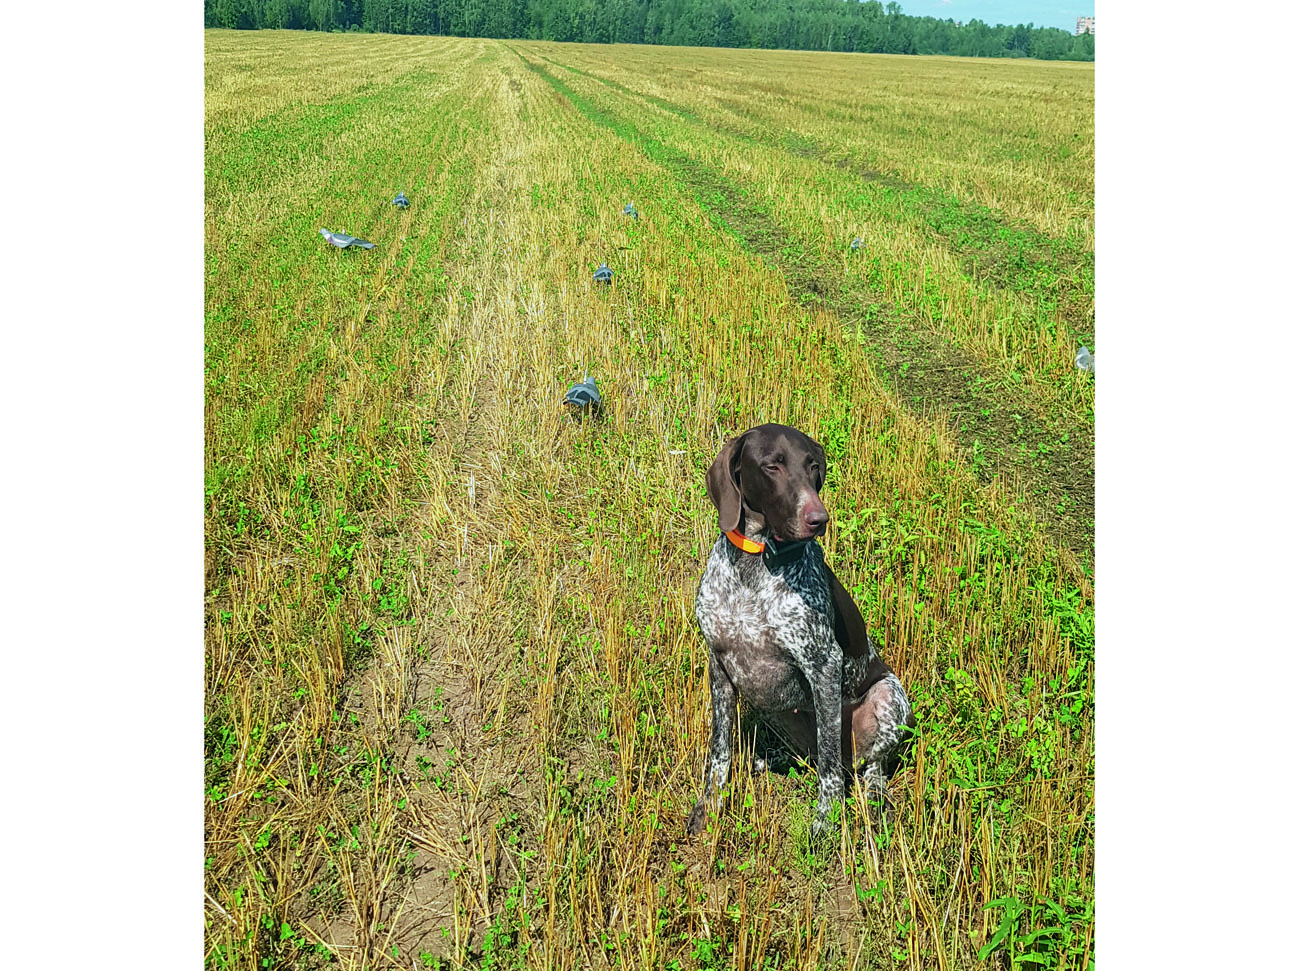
[771, 757]
[822, 828]
[778, 762]
[877, 800]
[875, 810]
[698, 819]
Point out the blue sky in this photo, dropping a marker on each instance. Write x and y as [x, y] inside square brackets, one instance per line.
[1041, 13]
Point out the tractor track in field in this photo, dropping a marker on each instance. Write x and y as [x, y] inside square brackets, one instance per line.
[995, 251]
[421, 695]
[1046, 460]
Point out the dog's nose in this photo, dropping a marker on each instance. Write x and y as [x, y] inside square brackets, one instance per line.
[816, 519]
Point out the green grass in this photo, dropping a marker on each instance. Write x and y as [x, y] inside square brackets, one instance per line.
[455, 703]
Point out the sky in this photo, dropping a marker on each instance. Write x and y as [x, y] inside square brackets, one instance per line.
[1041, 13]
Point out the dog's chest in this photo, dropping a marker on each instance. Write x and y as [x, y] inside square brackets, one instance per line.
[764, 628]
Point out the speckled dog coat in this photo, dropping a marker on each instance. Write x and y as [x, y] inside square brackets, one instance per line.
[784, 635]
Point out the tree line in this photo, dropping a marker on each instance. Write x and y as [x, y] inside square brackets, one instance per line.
[808, 25]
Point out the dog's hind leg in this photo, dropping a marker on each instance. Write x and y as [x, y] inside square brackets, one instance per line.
[879, 731]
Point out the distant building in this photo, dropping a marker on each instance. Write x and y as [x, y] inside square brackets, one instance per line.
[1083, 25]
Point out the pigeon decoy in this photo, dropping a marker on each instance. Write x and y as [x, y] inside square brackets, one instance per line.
[583, 396]
[1084, 360]
[604, 274]
[858, 243]
[630, 210]
[401, 200]
[341, 240]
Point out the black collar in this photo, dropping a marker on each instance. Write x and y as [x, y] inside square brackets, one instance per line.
[783, 552]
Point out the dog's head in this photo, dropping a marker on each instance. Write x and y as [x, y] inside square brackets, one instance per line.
[768, 480]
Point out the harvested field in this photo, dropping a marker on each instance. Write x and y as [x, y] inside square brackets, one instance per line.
[456, 710]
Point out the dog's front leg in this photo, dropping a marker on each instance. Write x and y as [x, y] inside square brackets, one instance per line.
[723, 723]
[826, 688]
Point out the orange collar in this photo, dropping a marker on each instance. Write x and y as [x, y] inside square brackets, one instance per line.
[744, 543]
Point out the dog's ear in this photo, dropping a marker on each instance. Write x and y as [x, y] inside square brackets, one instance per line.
[723, 487]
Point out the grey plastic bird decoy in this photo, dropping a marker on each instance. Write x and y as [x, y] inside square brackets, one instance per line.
[401, 200]
[584, 395]
[341, 240]
[604, 274]
[630, 210]
[858, 243]
[1084, 360]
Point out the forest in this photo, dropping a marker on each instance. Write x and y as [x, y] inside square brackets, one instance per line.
[811, 25]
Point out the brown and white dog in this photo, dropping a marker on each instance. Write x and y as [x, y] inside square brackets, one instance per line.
[784, 635]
